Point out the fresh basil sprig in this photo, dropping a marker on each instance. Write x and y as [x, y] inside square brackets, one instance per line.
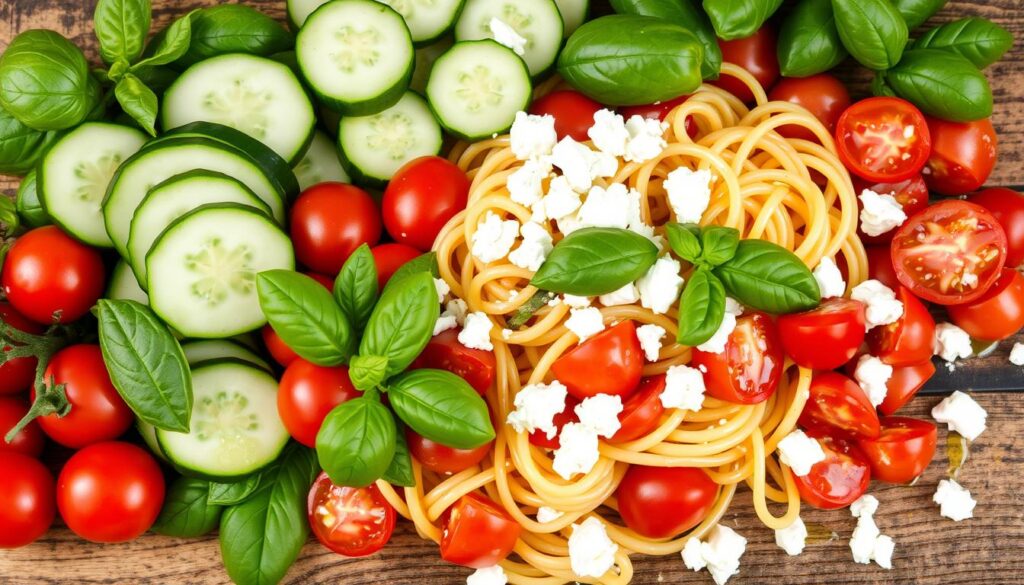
[596, 261]
[367, 371]
[915, 12]
[402, 323]
[121, 27]
[942, 84]
[770, 278]
[305, 316]
[423, 263]
[187, 511]
[738, 19]
[168, 46]
[718, 244]
[980, 41]
[873, 31]
[701, 307]
[355, 288]
[809, 41]
[230, 494]
[684, 239]
[442, 407]
[356, 442]
[21, 147]
[400, 470]
[687, 14]
[138, 101]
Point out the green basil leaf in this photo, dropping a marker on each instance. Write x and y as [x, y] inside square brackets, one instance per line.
[400, 470]
[701, 308]
[442, 407]
[684, 239]
[261, 537]
[595, 261]
[121, 28]
[738, 19]
[355, 288]
[872, 31]
[187, 511]
[146, 364]
[356, 443]
[770, 278]
[367, 371]
[156, 78]
[29, 207]
[915, 12]
[687, 14]
[21, 147]
[169, 45]
[230, 494]
[718, 244]
[879, 87]
[305, 316]
[138, 101]
[402, 323]
[809, 41]
[980, 41]
[942, 84]
[424, 263]
[234, 28]
[9, 219]
[622, 60]
[529, 308]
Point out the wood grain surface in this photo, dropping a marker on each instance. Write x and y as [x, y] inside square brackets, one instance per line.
[929, 549]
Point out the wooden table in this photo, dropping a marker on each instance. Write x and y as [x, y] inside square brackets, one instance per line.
[929, 549]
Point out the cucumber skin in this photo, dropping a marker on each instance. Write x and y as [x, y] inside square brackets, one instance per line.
[449, 29]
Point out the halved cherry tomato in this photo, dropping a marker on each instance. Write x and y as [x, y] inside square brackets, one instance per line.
[476, 532]
[749, 369]
[642, 411]
[1007, 206]
[911, 194]
[421, 197]
[840, 479]
[662, 502]
[838, 406]
[18, 374]
[908, 340]
[904, 384]
[756, 54]
[949, 253]
[27, 500]
[997, 314]
[568, 415]
[31, 440]
[963, 155]
[354, 522]
[621, 360]
[389, 258]
[329, 221]
[880, 266]
[824, 96]
[883, 139]
[444, 352]
[307, 393]
[442, 458]
[902, 451]
[826, 337]
[658, 111]
[573, 112]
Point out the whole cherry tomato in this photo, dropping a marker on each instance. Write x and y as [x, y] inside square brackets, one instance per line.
[27, 501]
[18, 374]
[30, 440]
[826, 337]
[749, 369]
[307, 393]
[838, 406]
[389, 258]
[963, 155]
[883, 139]
[1007, 206]
[354, 522]
[880, 266]
[663, 502]
[422, 196]
[822, 95]
[642, 411]
[756, 54]
[573, 112]
[444, 352]
[902, 451]
[908, 340]
[329, 221]
[442, 458]
[996, 315]
[476, 532]
[837, 481]
[618, 351]
[277, 348]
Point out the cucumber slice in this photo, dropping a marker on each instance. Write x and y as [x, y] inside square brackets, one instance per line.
[476, 88]
[205, 350]
[235, 429]
[74, 175]
[425, 58]
[124, 286]
[202, 269]
[357, 55]
[174, 198]
[153, 165]
[537, 21]
[299, 11]
[148, 434]
[258, 96]
[376, 146]
[322, 162]
[574, 13]
[427, 19]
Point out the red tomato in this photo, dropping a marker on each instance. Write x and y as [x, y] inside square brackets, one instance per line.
[997, 314]
[444, 352]
[642, 411]
[963, 155]
[329, 221]
[277, 348]
[110, 492]
[903, 450]
[422, 196]
[756, 54]
[389, 258]
[749, 369]
[476, 532]
[911, 194]
[826, 337]
[306, 394]
[880, 266]
[1007, 206]
[909, 339]
[354, 522]
[47, 271]
[950, 253]
[662, 502]
[18, 374]
[883, 139]
[837, 405]
[621, 360]
[324, 281]
[573, 112]
[568, 415]
[822, 95]
[904, 384]
[30, 441]
[98, 413]
[26, 500]
[837, 481]
[442, 458]
[658, 111]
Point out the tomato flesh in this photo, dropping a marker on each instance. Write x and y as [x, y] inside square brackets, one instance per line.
[354, 522]
[476, 532]
[662, 502]
[838, 405]
[909, 339]
[837, 481]
[618, 351]
[883, 139]
[911, 194]
[826, 337]
[568, 415]
[444, 352]
[902, 451]
[642, 411]
[996, 315]
[880, 266]
[749, 369]
[1007, 206]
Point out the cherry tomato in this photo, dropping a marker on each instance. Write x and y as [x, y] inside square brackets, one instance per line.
[883, 139]
[904, 384]
[444, 352]
[909, 339]
[277, 348]
[822, 95]
[902, 451]
[826, 337]
[30, 441]
[354, 522]
[306, 394]
[422, 196]
[1007, 206]
[573, 112]
[950, 253]
[27, 501]
[324, 281]
[880, 266]
[568, 415]
[662, 502]
[110, 492]
[476, 532]
[756, 54]
[659, 111]
[837, 405]
[749, 369]
[617, 350]
[389, 258]
[47, 271]
[642, 411]
[18, 374]
[442, 458]
[911, 194]
[997, 314]
[329, 221]
[837, 481]
[963, 155]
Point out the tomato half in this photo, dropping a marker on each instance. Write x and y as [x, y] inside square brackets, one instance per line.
[908, 340]
[880, 266]
[31, 440]
[963, 155]
[659, 111]
[277, 348]
[354, 522]
[837, 481]
[824, 96]
[27, 501]
[573, 112]
[749, 369]
[444, 352]
[883, 139]
[838, 406]
[826, 337]
[997, 314]
[18, 374]
[476, 532]
[904, 384]
[662, 502]
[902, 451]
[642, 411]
[329, 221]
[1007, 206]
[950, 253]
[911, 194]
[307, 393]
[568, 415]
[607, 363]
[390, 257]
[442, 458]
[756, 54]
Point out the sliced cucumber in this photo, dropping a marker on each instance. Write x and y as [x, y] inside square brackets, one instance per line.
[376, 146]
[574, 13]
[148, 434]
[235, 429]
[74, 175]
[425, 58]
[476, 88]
[357, 55]
[202, 269]
[322, 162]
[299, 11]
[258, 96]
[427, 19]
[205, 350]
[124, 286]
[537, 21]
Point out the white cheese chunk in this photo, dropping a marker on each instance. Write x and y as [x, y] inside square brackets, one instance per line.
[547, 514]
[627, 295]
[494, 237]
[884, 547]
[605, 207]
[532, 137]
[526, 184]
[585, 323]
[577, 450]
[879, 213]
[951, 342]
[575, 301]
[646, 138]
[506, 35]
[684, 388]
[601, 413]
[862, 542]
[456, 308]
[494, 575]
[792, 538]
[650, 340]
[660, 287]
[442, 289]
[800, 452]
[720, 554]
[561, 200]
[1017, 354]
[444, 323]
[536, 406]
[962, 414]
[830, 279]
[882, 308]
[609, 133]
[689, 193]
[580, 165]
[476, 334]
[733, 307]
[868, 543]
[534, 249]
[718, 341]
[872, 374]
[954, 500]
[591, 551]
[693, 557]
[865, 505]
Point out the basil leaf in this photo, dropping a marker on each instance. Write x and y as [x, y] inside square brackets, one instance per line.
[809, 41]
[138, 101]
[356, 443]
[400, 470]
[230, 494]
[718, 244]
[442, 407]
[156, 78]
[595, 261]
[424, 263]
[915, 12]
[28, 205]
[942, 84]
[261, 537]
[531, 306]
[121, 28]
[770, 278]
[684, 239]
[879, 87]
[686, 14]
[9, 219]
[234, 28]
[367, 371]
[738, 19]
[146, 364]
[701, 308]
[305, 316]
[169, 45]
[872, 31]
[355, 288]
[622, 60]
[187, 511]
[21, 147]
[402, 323]
[980, 41]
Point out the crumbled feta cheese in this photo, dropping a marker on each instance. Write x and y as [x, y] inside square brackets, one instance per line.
[444, 323]
[605, 207]
[456, 308]
[684, 388]
[880, 300]
[627, 295]
[561, 200]
[879, 213]
[601, 413]
[693, 557]
[476, 334]
[733, 307]
[575, 301]
[954, 500]
[591, 551]
[534, 249]
[577, 450]
[532, 136]
[720, 554]
[830, 280]
[962, 414]
[689, 193]
[580, 165]
[526, 184]
[718, 341]
[865, 505]
[547, 514]
[585, 322]
[792, 538]
[494, 575]
[635, 220]
[951, 342]
[536, 406]
[650, 340]
[884, 547]
[505, 35]
[872, 374]
[1017, 354]
[862, 542]
[868, 543]
[568, 224]
[660, 287]
[506, 334]
[646, 138]
[800, 452]
[609, 132]
[494, 237]
[442, 289]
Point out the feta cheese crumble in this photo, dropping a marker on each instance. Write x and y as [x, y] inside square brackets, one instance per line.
[962, 414]
[577, 450]
[526, 184]
[585, 322]
[494, 575]
[868, 543]
[830, 280]
[532, 137]
[547, 514]
[442, 289]
[494, 237]
[720, 554]
[627, 295]
[476, 334]
[576, 301]
[535, 408]
[954, 500]
[792, 538]
[609, 132]
[951, 342]
[534, 249]
[684, 388]
[718, 341]
[800, 452]
[591, 551]
[872, 375]
[601, 413]
[650, 340]
[580, 165]
[879, 213]
[880, 300]
[507, 36]
[660, 287]
[1017, 354]
[561, 200]
[689, 193]
[605, 207]
[646, 138]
